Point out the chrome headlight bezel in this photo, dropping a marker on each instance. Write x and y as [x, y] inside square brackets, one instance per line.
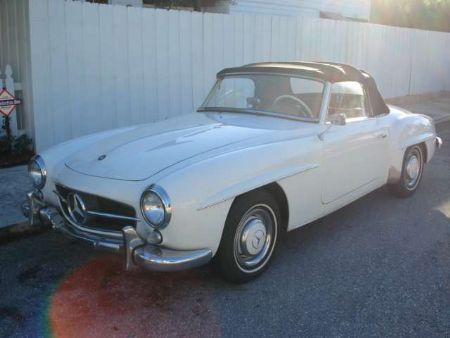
[40, 171]
[163, 197]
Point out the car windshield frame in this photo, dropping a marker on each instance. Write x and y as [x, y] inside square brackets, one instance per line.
[205, 109]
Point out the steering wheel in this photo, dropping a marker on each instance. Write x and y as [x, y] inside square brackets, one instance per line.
[307, 111]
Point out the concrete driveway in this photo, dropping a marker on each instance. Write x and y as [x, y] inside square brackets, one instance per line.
[14, 183]
[378, 267]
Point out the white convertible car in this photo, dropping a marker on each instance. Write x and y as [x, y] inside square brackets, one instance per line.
[273, 147]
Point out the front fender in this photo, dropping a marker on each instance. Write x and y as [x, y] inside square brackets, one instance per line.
[408, 129]
[204, 192]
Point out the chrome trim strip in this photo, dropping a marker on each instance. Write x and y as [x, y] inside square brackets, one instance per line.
[236, 190]
[60, 196]
[111, 234]
[325, 101]
[115, 216]
[52, 216]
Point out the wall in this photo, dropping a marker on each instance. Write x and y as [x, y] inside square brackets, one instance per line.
[96, 67]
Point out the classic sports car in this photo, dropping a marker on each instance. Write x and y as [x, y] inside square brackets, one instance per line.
[273, 147]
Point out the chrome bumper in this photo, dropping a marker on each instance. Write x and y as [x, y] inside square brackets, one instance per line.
[438, 142]
[138, 253]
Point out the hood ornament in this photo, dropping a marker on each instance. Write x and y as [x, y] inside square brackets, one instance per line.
[101, 157]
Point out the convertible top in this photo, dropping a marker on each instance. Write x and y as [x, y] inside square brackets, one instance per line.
[325, 71]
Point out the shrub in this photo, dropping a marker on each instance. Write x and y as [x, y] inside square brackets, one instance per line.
[15, 145]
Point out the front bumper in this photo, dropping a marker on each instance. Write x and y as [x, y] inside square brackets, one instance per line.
[138, 252]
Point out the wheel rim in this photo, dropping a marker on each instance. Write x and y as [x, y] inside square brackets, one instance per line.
[413, 169]
[254, 238]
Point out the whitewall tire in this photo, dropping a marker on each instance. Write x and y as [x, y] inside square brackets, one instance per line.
[412, 171]
[249, 237]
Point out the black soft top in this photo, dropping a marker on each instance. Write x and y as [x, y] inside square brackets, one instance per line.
[325, 71]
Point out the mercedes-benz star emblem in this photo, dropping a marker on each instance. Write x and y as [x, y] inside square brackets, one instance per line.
[257, 240]
[77, 208]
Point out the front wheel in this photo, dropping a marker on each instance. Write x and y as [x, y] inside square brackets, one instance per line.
[412, 170]
[249, 237]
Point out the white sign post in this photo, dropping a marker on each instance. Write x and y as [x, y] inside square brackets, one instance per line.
[8, 102]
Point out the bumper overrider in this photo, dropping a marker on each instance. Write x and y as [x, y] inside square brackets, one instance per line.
[438, 142]
[137, 251]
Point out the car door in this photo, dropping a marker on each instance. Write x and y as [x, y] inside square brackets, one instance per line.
[354, 156]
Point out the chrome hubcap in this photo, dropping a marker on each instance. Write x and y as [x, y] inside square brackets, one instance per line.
[254, 237]
[413, 168]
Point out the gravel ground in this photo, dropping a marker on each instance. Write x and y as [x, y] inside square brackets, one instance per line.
[378, 267]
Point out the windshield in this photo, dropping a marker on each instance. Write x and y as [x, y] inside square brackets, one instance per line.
[283, 95]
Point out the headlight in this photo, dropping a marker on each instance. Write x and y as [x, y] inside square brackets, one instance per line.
[37, 172]
[156, 206]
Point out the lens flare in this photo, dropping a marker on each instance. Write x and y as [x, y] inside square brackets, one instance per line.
[99, 299]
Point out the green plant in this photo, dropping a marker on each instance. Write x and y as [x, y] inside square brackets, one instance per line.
[22, 144]
[5, 145]
[10, 145]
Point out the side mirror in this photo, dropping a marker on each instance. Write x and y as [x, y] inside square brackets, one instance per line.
[338, 119]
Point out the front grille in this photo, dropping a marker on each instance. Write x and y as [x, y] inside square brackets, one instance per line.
[113, 215]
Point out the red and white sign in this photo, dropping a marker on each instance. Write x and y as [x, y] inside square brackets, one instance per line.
[8, 102]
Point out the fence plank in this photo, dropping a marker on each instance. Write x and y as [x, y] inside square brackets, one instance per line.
[136, 66]
[149, 58]
[197, 43]
[40, 54]
[57, 106]
[108, 114]
[173, 69]
[75, 69]
[162, 63]
[186, 80]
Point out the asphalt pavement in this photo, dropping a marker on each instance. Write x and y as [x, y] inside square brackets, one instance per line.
[378, 267]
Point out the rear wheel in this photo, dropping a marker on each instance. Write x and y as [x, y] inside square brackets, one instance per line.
[412, 170]
[249, 237]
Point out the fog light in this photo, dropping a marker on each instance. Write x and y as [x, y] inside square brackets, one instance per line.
[154, 237]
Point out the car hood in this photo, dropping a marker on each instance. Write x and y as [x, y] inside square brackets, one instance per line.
[141, 152]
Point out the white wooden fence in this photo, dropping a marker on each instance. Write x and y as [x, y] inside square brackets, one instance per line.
[96, 67]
